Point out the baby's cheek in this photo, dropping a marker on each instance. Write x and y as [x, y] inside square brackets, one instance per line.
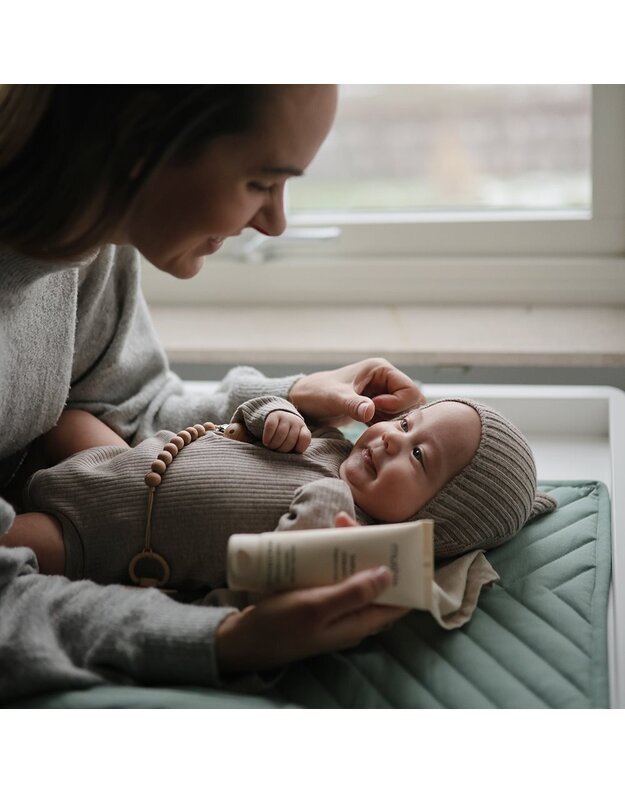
[401, 498]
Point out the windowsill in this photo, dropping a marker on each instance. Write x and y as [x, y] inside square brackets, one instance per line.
[558, 336]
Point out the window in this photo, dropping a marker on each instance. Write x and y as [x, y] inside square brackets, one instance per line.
[422, 148]
[447, 194]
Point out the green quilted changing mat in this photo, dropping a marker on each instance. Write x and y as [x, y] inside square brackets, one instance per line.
[538, 638]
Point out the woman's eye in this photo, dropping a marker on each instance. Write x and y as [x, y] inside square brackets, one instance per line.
[260, 187]
[404, 425]
[417, 453]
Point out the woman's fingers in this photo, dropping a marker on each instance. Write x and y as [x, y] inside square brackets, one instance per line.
[343, 519]
[358, 408]
[391, 390]
[356, 592]
[341, 615]
[367, 391]
[350, 629]
[390, 405]
[301, 623]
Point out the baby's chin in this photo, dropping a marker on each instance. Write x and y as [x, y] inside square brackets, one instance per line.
[383, 516]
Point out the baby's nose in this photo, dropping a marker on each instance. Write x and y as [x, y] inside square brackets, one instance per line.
[391, 441]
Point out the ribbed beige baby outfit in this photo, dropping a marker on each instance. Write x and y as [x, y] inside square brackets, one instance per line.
[214, 487]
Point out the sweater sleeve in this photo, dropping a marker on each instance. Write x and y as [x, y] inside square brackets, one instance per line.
[316, 504]
[56, 634]
[327, 431]
[120, 371]
[253, 413]
[7, 516]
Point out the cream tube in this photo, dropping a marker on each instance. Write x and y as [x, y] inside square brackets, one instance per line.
[274, 561]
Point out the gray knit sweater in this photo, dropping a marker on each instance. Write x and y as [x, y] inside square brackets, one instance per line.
[80, 335]
[213, 488]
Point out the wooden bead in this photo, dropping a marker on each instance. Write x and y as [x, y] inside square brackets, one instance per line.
[192, 432]
[209, 426]
[178, 442]
[185, 436]
[166, 457]
[159, 466]
[152, 479]
[200, 430]
[171, 448]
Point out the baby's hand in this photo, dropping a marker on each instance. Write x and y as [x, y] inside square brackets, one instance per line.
[286, 432]
[238, 432]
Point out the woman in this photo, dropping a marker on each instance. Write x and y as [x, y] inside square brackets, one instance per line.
[89, 177]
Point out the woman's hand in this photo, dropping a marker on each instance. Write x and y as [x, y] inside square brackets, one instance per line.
[368, 391]
[300, 623]
[343, 520]
[43, 534]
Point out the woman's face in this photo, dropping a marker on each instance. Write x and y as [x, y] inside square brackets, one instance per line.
[187, 211]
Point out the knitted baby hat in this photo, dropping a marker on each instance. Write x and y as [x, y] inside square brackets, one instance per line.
[495, 494]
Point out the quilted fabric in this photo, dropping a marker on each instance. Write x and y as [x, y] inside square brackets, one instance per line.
[538, 638]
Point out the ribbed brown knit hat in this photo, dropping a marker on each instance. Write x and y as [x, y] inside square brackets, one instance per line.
[495, 494]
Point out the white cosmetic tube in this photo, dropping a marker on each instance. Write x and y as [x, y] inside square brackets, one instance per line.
[274, 561]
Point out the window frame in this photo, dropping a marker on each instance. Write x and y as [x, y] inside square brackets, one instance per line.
[492, 257]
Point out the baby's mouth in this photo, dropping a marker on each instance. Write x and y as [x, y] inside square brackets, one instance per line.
[368, 460]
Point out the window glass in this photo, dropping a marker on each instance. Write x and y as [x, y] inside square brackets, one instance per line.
[402, 148]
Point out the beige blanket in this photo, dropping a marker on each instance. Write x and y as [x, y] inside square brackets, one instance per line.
[457, 586]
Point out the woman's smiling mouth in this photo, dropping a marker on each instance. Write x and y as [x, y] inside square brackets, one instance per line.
[211, 246]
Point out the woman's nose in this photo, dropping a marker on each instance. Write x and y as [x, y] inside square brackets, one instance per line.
[271, 219]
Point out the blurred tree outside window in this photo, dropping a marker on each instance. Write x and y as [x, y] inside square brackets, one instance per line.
[407, 148]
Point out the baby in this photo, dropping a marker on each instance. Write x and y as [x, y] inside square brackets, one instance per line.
[456, 461]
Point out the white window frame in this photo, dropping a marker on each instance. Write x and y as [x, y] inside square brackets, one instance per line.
[537, 257]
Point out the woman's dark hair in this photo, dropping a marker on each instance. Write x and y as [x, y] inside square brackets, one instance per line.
[73, 157]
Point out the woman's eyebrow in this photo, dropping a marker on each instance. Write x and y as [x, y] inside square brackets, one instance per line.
[282, 169]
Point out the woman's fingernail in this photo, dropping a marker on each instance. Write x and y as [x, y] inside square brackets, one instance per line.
[363, 409]
[382, 576]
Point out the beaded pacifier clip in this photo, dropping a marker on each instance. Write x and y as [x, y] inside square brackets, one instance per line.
[155, 567]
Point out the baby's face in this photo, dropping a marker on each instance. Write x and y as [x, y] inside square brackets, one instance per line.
[396, 467]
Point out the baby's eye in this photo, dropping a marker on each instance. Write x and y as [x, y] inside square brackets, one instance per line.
[417, 453]
[403, 423]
